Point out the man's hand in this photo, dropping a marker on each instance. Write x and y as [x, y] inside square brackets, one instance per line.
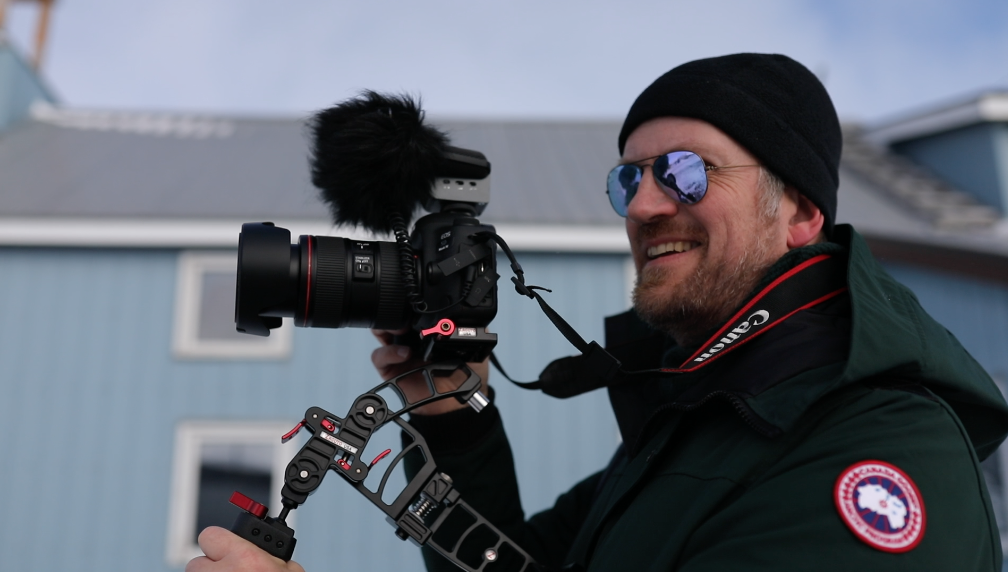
[227, 552]
[391, 360]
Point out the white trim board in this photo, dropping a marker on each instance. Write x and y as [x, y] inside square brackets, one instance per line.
[136, 232]
[223, 233]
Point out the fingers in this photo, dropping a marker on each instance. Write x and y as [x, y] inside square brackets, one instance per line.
[265, 564]
[227, 552]
[199, 564]
[387, 356]
[482, 369]
[385, 336]
[217, 542]
[392, 360]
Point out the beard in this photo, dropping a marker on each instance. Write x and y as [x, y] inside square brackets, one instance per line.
[708, 297]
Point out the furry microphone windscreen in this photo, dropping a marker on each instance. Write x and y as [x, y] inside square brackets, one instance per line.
[373, 155]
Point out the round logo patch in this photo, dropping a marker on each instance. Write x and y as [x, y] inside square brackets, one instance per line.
[881, 505]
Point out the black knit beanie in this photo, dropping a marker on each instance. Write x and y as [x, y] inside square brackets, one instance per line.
[770, 104]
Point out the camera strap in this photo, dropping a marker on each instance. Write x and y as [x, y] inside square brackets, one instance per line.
[808, 284]
[591, 352]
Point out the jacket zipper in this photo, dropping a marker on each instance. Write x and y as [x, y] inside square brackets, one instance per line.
[755, 422]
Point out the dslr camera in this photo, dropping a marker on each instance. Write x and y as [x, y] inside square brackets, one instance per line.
[439, 281]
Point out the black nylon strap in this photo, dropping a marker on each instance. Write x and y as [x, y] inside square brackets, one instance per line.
[808, 284]
[572, 375]
[566, 329]
[523, 384]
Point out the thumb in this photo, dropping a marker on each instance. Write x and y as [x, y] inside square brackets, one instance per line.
[217, 542]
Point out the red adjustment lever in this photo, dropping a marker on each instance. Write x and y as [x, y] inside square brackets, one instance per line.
[380, 457]
[445, 327]
[290, 434]
[243, 502]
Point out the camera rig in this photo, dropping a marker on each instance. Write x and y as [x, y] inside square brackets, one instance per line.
[428, 511]
[376, 163]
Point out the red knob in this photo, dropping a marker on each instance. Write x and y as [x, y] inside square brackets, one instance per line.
[444, 327]
[243, 502]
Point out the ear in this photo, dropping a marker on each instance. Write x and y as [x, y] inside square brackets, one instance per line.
[806, 224]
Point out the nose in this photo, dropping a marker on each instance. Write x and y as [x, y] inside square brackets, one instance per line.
[651, 202]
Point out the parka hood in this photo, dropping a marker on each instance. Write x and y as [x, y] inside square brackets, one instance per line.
[880, 334]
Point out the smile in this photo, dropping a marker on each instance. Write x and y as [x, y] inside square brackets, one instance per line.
[670, 248]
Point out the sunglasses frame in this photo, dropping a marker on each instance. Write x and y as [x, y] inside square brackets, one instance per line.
[675, 194]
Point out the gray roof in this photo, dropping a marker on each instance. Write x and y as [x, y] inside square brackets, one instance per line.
[887, 196]
[928, 199]
[71, 163]
[79, 164]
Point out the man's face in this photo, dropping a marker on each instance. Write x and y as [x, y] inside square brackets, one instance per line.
[697, 263]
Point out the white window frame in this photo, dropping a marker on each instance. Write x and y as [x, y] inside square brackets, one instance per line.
[186, 343]
[190, 436]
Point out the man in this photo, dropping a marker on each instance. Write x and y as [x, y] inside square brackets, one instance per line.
[846, 436]
[796, 408]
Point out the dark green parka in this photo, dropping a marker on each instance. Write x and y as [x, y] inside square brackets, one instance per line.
[733, 467]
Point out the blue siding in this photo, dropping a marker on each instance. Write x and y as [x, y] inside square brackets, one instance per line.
[970, 158]
[562, 437]
[91, 397]
[19, 87]
[976, 312]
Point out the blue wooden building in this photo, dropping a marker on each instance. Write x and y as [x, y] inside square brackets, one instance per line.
[130, 391]
[129, 404]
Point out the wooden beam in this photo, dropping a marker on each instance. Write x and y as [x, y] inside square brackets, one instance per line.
[987, 266]
[41, 32]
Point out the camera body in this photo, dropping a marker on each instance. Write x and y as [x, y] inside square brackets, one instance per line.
[439, 281]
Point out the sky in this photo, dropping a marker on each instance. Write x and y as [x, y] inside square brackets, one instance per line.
[517, 59]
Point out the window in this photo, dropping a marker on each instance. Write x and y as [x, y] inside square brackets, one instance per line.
[212, 460]
[204, 313]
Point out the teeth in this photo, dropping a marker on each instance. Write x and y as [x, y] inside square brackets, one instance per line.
[678, 246]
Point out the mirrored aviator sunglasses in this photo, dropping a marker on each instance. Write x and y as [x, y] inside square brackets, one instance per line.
[682, 175]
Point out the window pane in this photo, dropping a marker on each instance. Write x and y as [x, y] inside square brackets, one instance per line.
[216, 313]
[204, 314]
[224, 469]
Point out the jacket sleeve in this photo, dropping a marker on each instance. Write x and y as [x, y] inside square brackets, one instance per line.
[788, 518]
[473, 450]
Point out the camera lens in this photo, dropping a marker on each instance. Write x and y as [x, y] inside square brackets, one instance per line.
[322, 282]
[350, 283]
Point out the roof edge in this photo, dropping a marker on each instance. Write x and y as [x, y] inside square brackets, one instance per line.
[223, 233]
[951, 259]
[986, 107]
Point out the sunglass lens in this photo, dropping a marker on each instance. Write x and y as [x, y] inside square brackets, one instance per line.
[682, 176]
[622, 186]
